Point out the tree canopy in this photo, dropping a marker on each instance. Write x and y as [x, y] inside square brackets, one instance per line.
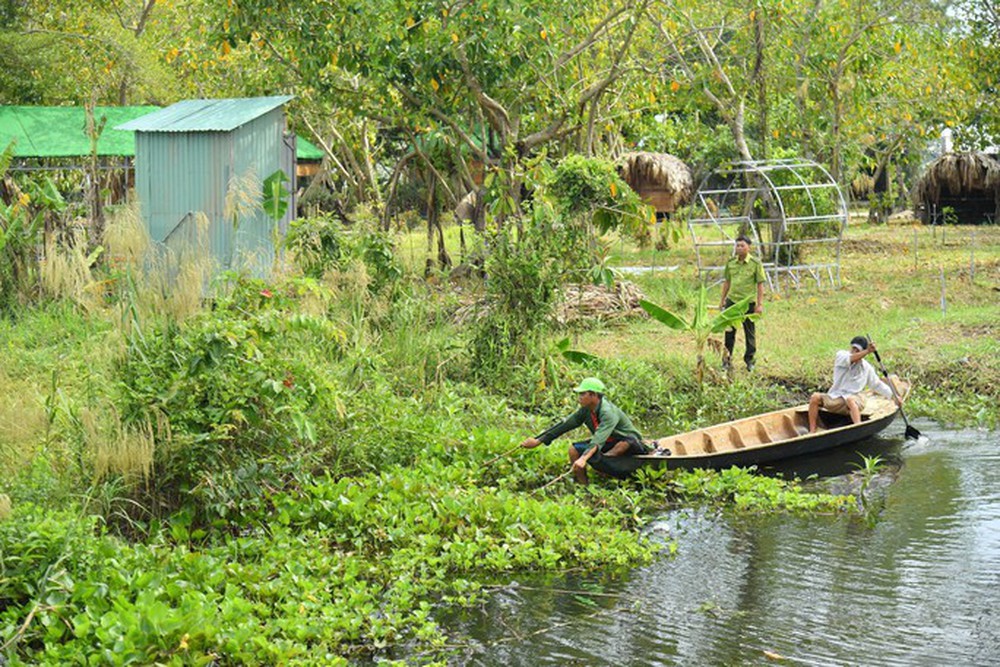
[451, 88]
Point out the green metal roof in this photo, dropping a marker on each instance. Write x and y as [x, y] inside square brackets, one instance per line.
[306, 150]
[62, 131]
[206, 115]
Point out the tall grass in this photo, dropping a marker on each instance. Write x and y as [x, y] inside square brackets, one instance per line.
[22, 422]
[118, 449]
[155, 281]
[66, 271]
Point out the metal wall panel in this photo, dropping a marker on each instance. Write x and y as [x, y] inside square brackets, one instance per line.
[179, 175]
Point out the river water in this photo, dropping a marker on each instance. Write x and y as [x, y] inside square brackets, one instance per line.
[920, 587]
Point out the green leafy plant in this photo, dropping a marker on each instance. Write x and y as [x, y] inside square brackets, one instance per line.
[276, 195]
[745, 492]
[321, 243]
[593, 189]
[868, 469]
[239, 397]
[700, 326]
[521, 284]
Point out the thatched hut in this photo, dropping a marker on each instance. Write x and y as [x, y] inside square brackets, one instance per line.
[960, 188]
[663, 181]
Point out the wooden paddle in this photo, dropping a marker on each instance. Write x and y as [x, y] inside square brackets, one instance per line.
[911, 432]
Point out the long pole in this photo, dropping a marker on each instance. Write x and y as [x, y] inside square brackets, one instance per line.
[500, 456]
[548, 484]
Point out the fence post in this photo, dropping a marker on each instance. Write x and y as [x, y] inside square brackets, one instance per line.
[972, 257]
[944, 303]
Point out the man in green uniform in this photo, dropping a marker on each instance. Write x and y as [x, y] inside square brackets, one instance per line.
[743, 277]
[612, 433]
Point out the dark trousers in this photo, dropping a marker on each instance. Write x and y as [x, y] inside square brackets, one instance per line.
[749, 331]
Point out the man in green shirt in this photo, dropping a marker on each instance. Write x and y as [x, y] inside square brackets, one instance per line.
[612, 433]
[743, 277]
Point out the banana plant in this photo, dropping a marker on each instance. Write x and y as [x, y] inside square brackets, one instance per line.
[22, 219]
[701, 326]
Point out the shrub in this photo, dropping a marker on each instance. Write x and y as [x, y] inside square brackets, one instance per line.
[522, 278]
[239, 387]
[321, 243]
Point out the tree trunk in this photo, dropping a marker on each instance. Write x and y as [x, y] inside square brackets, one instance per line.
[431, 207]
[479, 211]
[835, 129]
[758, 74]
[444, 259]
[94, 129]
[737, 125]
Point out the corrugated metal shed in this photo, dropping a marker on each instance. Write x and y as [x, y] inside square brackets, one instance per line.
[194, 155]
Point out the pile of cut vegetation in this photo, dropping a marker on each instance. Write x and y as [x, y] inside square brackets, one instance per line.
[576, 302]
[588, 301]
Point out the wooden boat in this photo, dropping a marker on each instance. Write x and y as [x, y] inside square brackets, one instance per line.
[760, 439]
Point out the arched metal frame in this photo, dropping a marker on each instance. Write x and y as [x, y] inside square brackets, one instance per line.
[762, 199]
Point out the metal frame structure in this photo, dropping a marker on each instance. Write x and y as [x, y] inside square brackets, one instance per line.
[774, 202]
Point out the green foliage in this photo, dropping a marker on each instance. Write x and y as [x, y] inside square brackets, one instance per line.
[700, 326]
[592, 188]
[343, 569]
[21, 224]
[746, 492]
[522, 277]
[321, 244]
[240, 392]
[275, 199]
[576, 356]
[869, 467]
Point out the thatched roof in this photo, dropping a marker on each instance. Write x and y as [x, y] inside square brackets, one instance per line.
[661, 170]
[958, 173]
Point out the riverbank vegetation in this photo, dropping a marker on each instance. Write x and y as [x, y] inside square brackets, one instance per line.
[295, 468]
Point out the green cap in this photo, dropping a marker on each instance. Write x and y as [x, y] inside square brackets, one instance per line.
[590, 384]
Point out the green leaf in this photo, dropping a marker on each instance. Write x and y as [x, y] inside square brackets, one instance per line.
[732, 316]
[665, 316]
[51, 197]
[276, 195]
[700, 308]
[578, 357]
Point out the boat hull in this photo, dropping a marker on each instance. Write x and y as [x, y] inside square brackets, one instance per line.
[800, 445]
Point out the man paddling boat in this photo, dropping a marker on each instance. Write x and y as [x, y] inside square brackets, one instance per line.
[851, 375]
[612, 432]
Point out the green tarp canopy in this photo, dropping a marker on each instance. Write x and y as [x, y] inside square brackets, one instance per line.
[46, 132]
[59, 132]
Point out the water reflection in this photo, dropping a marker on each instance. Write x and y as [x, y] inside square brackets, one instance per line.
[920, 588]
